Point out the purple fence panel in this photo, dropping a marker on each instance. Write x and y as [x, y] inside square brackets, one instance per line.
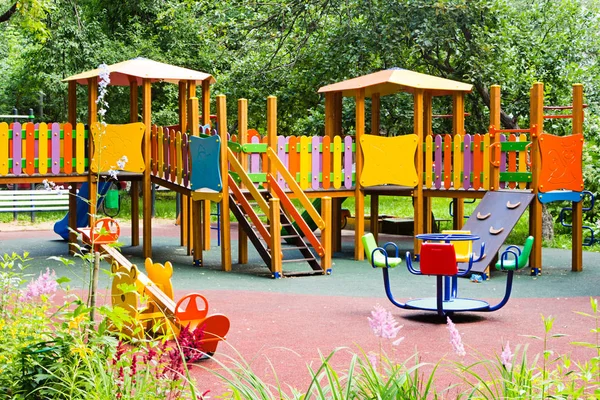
[502, 161]
[348, 162]
[17, 152]
[438, 161]
[467, 165]
[316, 158]
[281, 153]
[55, 150]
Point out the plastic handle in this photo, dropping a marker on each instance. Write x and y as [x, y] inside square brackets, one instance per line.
[495, 154]
[190, 311]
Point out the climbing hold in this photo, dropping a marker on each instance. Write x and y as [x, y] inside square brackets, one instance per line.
[481, 217]
[511, 205]
[495, 231]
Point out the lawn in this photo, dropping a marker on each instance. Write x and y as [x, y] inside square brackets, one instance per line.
[396, 206]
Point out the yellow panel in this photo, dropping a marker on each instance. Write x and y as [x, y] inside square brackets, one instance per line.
[113, 143]
[43, 148]
[215, 197]
[304, 161]
[337, 162]
[458, 157]
[160, 137]
[389, 160]
[486, 161]
[428, 161]
[179, 157]
[80, 148]
[522, 161]
[462, 248]
[3, 148]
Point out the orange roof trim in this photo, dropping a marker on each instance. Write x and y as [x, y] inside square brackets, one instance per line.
[123, 73]
[391, 81]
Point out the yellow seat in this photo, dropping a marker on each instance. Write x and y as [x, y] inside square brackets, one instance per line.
[463, 248]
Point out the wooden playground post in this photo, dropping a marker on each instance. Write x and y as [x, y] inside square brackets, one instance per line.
[243, 158]
[336, 216]
[92, 119]
[326, 233]
[184, 200]
[577, 219]
[535, 213]
[72, 117]
[494, 173]
[427, 131]
[271, 130]
[359, 196]
[225, 221]
[375, 126]
[418, 100]
[330, 113]
[275, 232]
[198, 210]
[147, 208]
[458, 127]
[135, 185]
[206, 204]
[206, 102]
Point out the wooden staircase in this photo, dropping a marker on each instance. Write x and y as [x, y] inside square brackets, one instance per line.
[291, 242]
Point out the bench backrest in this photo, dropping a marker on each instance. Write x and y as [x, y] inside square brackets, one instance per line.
[33, 200]
[438, 259]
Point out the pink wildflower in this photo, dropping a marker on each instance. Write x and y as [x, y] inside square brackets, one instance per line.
[372, 357]
[384, 325]
[45, 284]
[455, 339]
[506, 356]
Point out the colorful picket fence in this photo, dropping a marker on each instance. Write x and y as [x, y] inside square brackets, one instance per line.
[317, 163]
[22, 149]
[170, 156]
[462, 161]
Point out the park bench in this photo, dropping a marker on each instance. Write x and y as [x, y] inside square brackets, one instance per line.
[33, 201]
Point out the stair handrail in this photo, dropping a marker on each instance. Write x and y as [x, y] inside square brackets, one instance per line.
[237, 168]
[296, 189]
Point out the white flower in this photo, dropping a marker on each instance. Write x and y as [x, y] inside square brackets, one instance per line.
[113, 173]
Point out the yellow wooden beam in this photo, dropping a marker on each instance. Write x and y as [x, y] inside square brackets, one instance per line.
[326, 234]
[359, 205]
[418, 99]
[577, 220]
[225, 220]
[205, 102]
[275, 231]
[535, 213]
[243, 159]
[92, 119]
[146, 186]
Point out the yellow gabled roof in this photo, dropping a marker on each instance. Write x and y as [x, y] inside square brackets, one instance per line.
[121, 74]
[390, 81]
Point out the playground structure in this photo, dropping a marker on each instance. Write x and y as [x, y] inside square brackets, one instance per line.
[241, 167]
[161, 313]
[439, 259]
[460, 165]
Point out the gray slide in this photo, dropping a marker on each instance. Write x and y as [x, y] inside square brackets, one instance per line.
[493, 219]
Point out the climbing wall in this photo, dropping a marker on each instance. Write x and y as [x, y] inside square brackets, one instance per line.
[493, 219]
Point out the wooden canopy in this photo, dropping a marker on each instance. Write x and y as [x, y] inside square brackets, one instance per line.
[126, 72]
[391, 81]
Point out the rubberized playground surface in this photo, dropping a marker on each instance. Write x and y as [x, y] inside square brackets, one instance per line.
[288, 322]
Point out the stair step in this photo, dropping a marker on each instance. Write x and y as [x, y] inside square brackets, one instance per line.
[297, 260]
[282, 225]
[289, 236]
[292, 248]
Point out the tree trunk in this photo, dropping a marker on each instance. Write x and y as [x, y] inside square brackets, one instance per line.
[547, 224]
